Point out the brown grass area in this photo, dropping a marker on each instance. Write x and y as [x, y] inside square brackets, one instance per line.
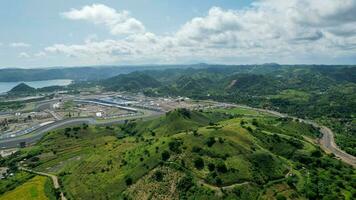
[149, 188]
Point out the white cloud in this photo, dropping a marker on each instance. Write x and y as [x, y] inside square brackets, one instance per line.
[118, 22]
[268, 30]
[40, 54]
[19, 44]
[24, 55]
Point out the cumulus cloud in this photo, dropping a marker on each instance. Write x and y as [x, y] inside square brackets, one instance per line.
[118, 22]
[40, 54]
[24, 55]
[19, 44]
[266, 30]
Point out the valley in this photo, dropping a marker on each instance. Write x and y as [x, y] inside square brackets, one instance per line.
[127, 141]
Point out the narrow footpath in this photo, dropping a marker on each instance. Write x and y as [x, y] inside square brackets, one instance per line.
[53, 178]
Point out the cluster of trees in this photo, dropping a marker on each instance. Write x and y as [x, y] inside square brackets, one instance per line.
[312, 91]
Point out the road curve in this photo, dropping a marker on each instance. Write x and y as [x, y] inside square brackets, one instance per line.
[38, 133]
[327, 141]
[328, 144]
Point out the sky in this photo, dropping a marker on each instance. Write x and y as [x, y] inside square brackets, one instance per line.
[37, 33]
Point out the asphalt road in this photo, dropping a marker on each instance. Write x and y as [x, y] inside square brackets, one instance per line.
[328, 144]
[37, 134]
[327, 141]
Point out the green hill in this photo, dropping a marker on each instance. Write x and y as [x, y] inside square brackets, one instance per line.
[22, 88]
[130, 82]
[216, 154]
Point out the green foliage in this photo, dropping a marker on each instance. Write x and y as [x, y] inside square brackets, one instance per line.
[22, 88]
[185, 183]
[130, 82]
[175, 146]
[318, 92]
[210, 142]
[128, 181]
[165, 155]
[249, 164]
[199, 163]
[158, 175]
[221, 167]
[12, 182]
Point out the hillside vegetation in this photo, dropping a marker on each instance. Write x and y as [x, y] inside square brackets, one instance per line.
[324, 93]
[212, 154]
[37, 188]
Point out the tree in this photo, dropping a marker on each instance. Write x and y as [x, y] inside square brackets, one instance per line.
[210, 142]
[316, 153]
[221, 167]
[158, 175]
[199, 163]
[211, 167]
[254, 122]
[165, 155]
[175, 146]
[128, 181]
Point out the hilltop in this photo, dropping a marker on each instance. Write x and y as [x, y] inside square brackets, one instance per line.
[323, 93]
[130, 82]
[212, 154]
[22, 88]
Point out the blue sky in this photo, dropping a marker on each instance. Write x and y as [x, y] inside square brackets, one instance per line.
[37, 33]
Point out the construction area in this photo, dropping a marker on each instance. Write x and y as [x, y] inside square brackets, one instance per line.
[13, 124]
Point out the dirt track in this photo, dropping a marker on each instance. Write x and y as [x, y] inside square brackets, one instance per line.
[53, 177]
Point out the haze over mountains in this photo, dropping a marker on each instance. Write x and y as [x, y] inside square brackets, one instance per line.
[87, 73]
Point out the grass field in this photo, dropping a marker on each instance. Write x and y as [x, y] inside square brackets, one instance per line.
[32, 189]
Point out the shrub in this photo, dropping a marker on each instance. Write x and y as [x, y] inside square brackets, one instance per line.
[196, 149]
[281, 197]
[165, 155]
[316, 153]
[221, 140]
[210, 142]
[199, 163]
[158, 175]
[128, 181]
[218, 181]
[175, 146]
[211, 167]
[185, 183]
[221, 167]
[254, 122]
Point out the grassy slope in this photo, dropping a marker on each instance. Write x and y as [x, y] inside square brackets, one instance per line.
[32, 189]
[254, 152]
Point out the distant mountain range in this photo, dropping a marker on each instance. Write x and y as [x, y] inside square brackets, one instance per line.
[94, 73]
[89, 73]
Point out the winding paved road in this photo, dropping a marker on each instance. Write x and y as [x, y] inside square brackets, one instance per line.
[327, 141]
[38, 133]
